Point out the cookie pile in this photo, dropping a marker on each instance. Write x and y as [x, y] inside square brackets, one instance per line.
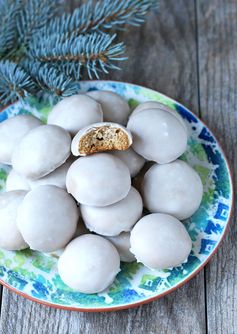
[81, 181]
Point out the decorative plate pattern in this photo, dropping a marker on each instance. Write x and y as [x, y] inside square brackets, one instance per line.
[35, 275]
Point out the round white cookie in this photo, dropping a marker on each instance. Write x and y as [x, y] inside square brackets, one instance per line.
[41, 151]
[158, 135]
[174, 188]
[160, 241]
[134, 161]
[16, 181]
[47, 218]
[122, 244]
[10, 236]
[115, 108]
[98, 180]
[75, 112]
[89, 264]
[157, 105]
[55, 178]
[113, 219]
[11, 132]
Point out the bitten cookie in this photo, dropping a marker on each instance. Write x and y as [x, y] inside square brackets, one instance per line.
[100, 137]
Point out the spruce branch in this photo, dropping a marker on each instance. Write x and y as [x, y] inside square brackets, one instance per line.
[95, 51]
[50, 80]
[14, 82]
[54, 82]
[33, 16]
[8, 32]
[42, 52]
[104, 14]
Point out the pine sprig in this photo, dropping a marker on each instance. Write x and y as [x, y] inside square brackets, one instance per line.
[33, 16]
[56, 83]
[95, 51]
[50, 80]
[105, 14]
[43, 51]
[15, 82]
[8, 31]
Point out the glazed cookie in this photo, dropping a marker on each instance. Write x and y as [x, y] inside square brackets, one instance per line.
[157, 105]
[16, 181]
[75, 112]
[100, 137]
[10, 236]
[56, 178]
[160, 241]
[122, 244]
[113, 219]
[11, 132]
[98, 180]
[47, 218]
[174, 188]
[158, 135]
[41, 151]
[89, 264]
[115, 108]
[134, 161]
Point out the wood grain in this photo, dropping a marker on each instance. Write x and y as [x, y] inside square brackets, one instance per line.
[163, 56]
[217, 39]
[179, 312]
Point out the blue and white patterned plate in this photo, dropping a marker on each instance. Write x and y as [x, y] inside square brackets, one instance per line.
[34, 275]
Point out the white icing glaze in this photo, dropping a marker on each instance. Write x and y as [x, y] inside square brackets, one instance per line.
[134, 161]
[174, 188]
[113, 219]
[98, 180]
[115, 108]
[12, 131]
[75, 112]
[89, 264]
[160, 241]
[157, 105]
[157, 135]
[16, 181]
[41, 151]
[122, 244]
[47, 218]
[10, 236]
[56, 178]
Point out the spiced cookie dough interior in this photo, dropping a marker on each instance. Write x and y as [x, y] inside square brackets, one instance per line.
[101, 137]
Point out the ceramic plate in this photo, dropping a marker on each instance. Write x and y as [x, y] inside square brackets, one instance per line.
[34, 275]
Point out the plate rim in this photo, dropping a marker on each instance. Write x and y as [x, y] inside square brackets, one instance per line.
[194, 273]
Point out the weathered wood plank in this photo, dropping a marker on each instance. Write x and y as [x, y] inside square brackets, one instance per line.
[162, 55]
[217, 39]
[179, 312]
[68, 6]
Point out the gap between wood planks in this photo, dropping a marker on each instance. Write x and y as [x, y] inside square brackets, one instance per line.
[218, 81]
[200, 115]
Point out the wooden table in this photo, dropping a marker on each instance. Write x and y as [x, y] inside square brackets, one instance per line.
[187, 51]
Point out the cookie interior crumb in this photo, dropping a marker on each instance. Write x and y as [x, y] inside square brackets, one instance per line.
[104, 138]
